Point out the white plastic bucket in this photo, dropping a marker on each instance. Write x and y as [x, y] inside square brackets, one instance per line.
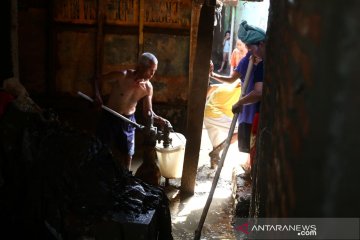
[171, 159]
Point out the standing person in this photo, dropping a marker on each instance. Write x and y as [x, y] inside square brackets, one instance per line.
[218, 116]
[254, 38]
[128, 87]
[237, 54]
[226, 51]
[245, 118]
[249, 105]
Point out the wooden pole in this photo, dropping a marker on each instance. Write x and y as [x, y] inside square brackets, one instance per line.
[141, 28]
[195, 15]
[99, 44]
[15, 38]
[197, 95]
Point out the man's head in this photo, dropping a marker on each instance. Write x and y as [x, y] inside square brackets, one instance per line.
[147, 65]
[253, 37]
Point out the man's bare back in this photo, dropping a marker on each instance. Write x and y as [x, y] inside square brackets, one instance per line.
[127, 91]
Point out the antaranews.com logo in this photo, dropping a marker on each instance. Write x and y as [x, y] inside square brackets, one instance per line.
[300, 230]
[296, 228]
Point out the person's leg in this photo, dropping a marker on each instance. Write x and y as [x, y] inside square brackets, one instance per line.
[223, 62]
[129, 131]
[122, 159]
[127, 161]
[226, 60]
[213, 136]
[123, 143]
[244, 146]
[234, 138]
[254, 130]
[218, 130]
[244, 137]
[215, 153]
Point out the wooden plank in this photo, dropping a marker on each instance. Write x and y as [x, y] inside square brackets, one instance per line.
[120, 53]
[74, 66]
[195, 15]
[141, 28]
[122, 12]
[75, 11]
[168, 14]
[99, 54]
[197, 96]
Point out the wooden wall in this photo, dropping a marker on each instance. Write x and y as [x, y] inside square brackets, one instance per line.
[66, 43]
[80, 39]
[125, 29]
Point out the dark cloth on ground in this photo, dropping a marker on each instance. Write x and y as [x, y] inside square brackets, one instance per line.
[57, 179]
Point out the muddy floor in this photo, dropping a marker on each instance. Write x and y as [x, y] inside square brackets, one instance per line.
[186, 211]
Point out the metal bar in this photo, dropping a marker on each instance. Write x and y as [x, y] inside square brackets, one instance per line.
[112, 111]
[223, 154]
[216, 178]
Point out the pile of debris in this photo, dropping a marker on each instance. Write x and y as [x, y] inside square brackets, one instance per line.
[57, 182]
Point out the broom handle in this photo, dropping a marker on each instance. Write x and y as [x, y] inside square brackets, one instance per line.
[223, 155]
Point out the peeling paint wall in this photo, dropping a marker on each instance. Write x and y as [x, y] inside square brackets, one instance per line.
[72, 53]
[75, 57]
[171, 79]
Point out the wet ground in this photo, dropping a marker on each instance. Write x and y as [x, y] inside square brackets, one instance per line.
[186, 211]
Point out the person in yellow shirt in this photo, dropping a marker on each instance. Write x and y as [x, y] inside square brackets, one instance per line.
[218, 116]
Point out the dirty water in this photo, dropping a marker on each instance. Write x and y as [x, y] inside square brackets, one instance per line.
[186, 211]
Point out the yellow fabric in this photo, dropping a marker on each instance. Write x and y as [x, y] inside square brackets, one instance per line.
[222, 99]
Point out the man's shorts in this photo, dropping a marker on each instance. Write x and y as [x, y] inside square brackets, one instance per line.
[114, 131]
[244, 131]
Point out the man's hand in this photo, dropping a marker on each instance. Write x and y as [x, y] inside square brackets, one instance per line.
[237, 108]
[162, 122]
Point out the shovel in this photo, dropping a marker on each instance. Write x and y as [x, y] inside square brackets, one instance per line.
[223, 155]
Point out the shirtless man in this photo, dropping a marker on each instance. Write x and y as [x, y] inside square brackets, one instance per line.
[128, 87]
